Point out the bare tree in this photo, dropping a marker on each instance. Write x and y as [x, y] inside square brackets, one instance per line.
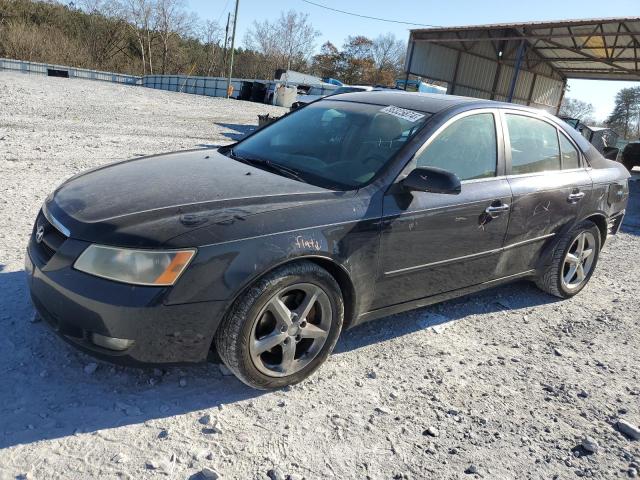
[106, 30]
[171, 18]
[211, 36]
[139, 15]
[574, 108]
[287, 42]
[357, 64]
[388, 56]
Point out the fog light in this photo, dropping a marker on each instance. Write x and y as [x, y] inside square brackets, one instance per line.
[110, 342]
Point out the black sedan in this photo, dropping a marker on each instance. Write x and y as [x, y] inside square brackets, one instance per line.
[351, 208]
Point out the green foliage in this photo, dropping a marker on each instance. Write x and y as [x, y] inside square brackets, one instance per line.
[625, 118]
[362, 60]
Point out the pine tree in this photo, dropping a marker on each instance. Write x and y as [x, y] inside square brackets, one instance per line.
[626, 112]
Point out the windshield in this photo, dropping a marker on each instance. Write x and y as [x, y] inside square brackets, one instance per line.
[332, 144]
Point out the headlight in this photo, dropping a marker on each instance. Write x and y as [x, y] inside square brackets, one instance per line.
[139, 267]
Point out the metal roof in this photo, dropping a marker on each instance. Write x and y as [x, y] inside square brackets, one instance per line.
[603, 49]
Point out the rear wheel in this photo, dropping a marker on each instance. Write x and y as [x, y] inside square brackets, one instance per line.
[573, 262]
[283, 328]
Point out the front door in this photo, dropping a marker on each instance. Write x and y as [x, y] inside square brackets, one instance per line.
[433, 243]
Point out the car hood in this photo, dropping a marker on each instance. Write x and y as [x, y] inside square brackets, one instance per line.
[150, 201]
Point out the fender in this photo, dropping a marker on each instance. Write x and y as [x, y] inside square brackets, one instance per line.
[349, 250]
[338, 270]
[550, 245]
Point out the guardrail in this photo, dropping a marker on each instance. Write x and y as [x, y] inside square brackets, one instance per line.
[216, 86]
[208, 86]
[68, 72]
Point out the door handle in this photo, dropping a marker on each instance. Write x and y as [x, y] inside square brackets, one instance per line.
[575, 197]
[495, 210]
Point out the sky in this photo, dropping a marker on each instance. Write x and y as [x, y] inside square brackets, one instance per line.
[335, 27]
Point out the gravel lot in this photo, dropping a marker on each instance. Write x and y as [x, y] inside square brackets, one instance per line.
[504, 384]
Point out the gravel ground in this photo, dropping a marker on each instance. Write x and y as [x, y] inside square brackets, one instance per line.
[510, 383]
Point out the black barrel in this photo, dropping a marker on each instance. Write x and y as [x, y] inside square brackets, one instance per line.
[258, 92]
[245, 91]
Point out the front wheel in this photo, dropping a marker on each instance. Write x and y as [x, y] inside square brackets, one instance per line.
[283, 328]
[573, 261]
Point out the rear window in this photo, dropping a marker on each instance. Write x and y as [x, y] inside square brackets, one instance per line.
[570, 157]
[534, 145]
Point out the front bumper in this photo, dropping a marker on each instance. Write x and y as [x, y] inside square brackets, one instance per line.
[77, 305]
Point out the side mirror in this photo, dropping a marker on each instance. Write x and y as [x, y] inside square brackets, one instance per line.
[433, 180]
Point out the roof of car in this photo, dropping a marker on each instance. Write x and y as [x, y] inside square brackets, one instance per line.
[425, 102]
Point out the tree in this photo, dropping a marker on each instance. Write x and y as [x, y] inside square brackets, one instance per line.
[152, 36]
[388, 56]
[287, 42]
[358, 64]
[105, 30]
[326, 64]
[211, 36]
[574, 108]
[171, 19]
[626, 112]
[139, 15]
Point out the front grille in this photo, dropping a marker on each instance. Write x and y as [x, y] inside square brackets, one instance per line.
[52, 239]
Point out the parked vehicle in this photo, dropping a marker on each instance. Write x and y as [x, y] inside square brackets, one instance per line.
[353, 208]
[603, 138]
[631, 155]
[419, 86]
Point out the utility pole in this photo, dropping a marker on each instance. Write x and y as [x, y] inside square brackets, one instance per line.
[226, 39]
[233, 43]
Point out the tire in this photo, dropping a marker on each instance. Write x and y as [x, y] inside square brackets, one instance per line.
[257, 319]
[553, 279]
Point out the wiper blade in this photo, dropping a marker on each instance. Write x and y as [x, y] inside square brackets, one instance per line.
[274, 167]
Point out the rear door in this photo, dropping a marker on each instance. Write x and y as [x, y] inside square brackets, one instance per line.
[550, 184]
[433, 243]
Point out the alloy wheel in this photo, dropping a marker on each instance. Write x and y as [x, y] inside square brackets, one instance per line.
[290, 330]
[578, 261]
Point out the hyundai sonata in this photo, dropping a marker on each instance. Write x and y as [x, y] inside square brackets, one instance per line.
[351, 208]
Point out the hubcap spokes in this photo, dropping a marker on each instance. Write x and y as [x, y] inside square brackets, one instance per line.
[290, 330]
[578, 261]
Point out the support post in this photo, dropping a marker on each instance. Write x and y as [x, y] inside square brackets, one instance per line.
[564, 89]
[226, 40]
[233, 44]
[452, 87]
[496, 77]
[533, 86]
[516, 71]
[406, 79]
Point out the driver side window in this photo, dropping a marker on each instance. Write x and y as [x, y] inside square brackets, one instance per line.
[467, 147]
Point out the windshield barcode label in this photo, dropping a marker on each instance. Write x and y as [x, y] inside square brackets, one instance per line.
[403, 113]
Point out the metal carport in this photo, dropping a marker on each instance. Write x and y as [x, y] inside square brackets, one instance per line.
[526, 63]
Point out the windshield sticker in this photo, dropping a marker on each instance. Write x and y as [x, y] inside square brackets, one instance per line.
[403, 113]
